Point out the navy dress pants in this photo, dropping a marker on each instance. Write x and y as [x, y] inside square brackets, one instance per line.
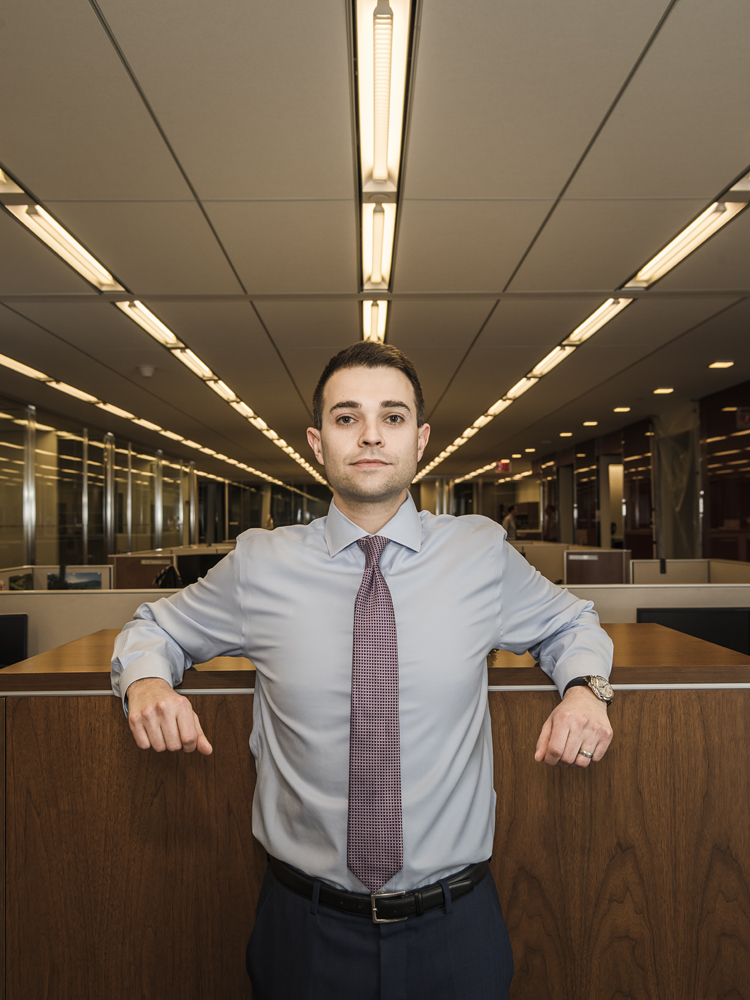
[300, 950]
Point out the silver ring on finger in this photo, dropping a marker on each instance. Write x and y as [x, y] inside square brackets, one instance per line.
[586, 753]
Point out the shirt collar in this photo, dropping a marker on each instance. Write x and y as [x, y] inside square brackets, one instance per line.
[405, 527]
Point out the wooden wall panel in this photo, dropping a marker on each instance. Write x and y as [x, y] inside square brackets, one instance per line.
[130, 874]
[134, 875]
[630, 878]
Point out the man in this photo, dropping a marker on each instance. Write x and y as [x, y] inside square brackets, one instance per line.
[369, 630]
[509, 523]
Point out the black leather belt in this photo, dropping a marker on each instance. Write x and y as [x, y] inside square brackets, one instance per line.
[381, 907]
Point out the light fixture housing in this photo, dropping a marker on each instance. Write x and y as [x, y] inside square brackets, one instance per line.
[125, 414]
[22, 369]
[596, 321]
[691, 237]
[72, 391]
[373, 217]
[136, 311]
[721, 364]
[58, 239]
[374, 315]
[552, 360]
[194, 363]
[663, 391]
[621, 409]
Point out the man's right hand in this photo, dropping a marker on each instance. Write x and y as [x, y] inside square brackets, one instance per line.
[162, 719]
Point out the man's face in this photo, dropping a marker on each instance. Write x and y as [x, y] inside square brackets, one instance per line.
[369, 441]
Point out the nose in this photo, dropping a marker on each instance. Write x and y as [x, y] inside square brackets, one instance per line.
[371, 436]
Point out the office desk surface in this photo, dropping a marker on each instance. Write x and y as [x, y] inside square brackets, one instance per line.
[644, 654]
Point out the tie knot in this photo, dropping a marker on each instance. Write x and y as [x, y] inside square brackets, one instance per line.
[373, 546]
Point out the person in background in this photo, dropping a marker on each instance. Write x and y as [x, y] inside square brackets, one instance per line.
[509, 523]
[369, 630]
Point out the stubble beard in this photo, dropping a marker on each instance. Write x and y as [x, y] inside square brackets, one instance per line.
[355, 490]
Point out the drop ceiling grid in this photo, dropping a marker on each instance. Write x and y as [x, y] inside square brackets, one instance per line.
[174, 397]
[73, 126]
[254, 97]
[506, 100]
[677, 131]
[151, 247]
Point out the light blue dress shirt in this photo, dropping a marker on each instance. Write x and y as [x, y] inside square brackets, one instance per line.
[285, 599]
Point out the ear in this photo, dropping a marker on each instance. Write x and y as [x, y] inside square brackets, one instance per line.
[314, 440]
[422, 438]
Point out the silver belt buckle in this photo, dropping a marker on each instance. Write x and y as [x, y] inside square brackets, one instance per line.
[374, 897]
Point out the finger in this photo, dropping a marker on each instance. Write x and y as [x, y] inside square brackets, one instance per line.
[187, 729]
[581, 759]
[564, 742]
[543, 741]
[204, 746]
[171, 731]
[139, 734]
[603, 745]
[149, 722]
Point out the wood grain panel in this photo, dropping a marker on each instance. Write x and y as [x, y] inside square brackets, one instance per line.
[130, 874]
[630, 878]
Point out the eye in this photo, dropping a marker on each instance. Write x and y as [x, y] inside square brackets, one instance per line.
[395, 418]
[345, 419]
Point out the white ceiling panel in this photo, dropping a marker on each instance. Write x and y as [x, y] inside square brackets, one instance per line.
[151, 247]
[463, 245]
[679, 130]
[722, 262]
[601, 244]
[253, 96]
[435, 335]
[508, 94]
[290, 246]
[308, 334]
[73, 124]
[28, 267]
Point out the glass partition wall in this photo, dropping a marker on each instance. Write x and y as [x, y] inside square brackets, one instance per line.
[71, 496]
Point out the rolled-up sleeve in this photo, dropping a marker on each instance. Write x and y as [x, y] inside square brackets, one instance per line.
[559, 630]
[167, 637]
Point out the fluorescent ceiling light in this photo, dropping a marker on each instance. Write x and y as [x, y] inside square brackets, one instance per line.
[551, 361]
[596, 321]
[375, 216]
[476, 472]
[242, 408]
[566, 434]
[590, 423]
[499, 406]
[146, 423]
[223, 390]
[373, 320]
[729, 409]
[621, 409]
[662, 392]
[116, 410]
[721, 364]
[707, 223]
[72, 391]
[517, 455]
[520, 388]
[146, 319]
[529, 449]
[58, 239]
[22, 369]
[172, 436]
[382, 56]
[194, 363]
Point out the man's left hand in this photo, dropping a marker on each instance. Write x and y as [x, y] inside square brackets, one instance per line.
[578, 723]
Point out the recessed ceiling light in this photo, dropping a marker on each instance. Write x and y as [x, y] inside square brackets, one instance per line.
[516, 455]
[721, 364]
[590, 423]
[662, 392]
[529, 449]
[566, 434]
[729, 409]
[621, 409]
[580, 454]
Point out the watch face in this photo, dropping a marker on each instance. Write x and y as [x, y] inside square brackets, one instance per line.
[602, 688]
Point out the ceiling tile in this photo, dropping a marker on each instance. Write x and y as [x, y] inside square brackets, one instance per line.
[73, 124]
[253, 96]
[283, 246]
[601, 244]
[679, 129]
[463, 245]
[507, 95]
[151, 247]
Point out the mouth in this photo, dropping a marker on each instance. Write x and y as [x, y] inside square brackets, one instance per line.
[370, 463]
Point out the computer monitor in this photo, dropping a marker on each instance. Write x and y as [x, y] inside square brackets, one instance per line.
[729, 627]
[13, 633]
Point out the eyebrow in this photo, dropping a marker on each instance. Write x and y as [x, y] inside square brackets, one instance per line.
[387, 404]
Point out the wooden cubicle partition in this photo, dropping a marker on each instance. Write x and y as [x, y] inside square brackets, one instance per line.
[131, 874]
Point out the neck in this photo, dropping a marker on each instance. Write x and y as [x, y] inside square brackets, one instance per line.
[371, 516]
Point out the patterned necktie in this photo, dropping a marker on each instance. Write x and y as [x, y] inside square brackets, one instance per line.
[375, 847]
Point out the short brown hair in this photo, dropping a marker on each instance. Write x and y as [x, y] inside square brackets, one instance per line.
[368, 354]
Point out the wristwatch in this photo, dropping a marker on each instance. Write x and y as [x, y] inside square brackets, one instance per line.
[600, 686]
